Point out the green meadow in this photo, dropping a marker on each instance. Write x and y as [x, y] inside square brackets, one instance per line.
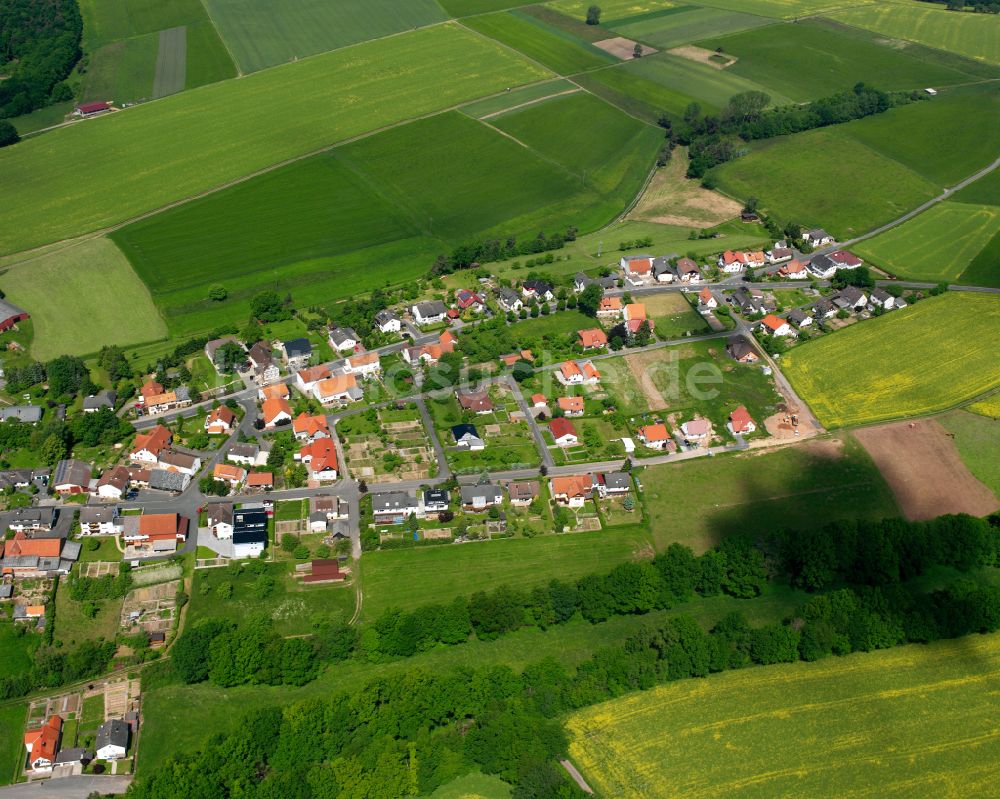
[939, 244]
[261, 33]
[815, 58]
[491, 106]
[973, 35]
[782, 9]
[143, 158]
[555, 49]
[683, 24]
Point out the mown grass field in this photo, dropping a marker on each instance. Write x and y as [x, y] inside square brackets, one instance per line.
[140, 159]
[262, 34]
[826, 59]
[113, 20]
[978, 440]
[793, 177]
[973, 35]
[909, 721]
[82, 297]
[187, 716]
[407, 578]
[16, 650]
[925, 358]
[636, 95]
[555, 49]
[529, 94]
[700, 502]
[939, 244]
[782, 9]
[12, 722]
[122, 71]
[683, 24]
[473, 786]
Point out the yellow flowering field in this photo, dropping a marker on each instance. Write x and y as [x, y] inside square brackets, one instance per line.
[911, 721]
[924, 358]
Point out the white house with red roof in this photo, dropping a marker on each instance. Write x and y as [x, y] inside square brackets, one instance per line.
[469, 300]
[776, 326]
[563, 432]
[794, 270]
[696, 430]
[741, 422]
[706, 300]
[320, 458]
[638, 269]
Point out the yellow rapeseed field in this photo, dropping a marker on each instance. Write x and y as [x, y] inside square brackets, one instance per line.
[905, 722]
[988, 407]
[928, 357]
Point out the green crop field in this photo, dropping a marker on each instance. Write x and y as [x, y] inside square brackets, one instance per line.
[711, 87]
[610, 9]
[683, 24]
[463, 8]
[142, 158]
[939, 244]
[406, 578]
[261, 33]
[977, 438]
[82, 297]
[782, 9]
[901, 364]
[122, 71]
[481, 109]
[16, 649]
[700, 502]
[636, 95]
[985, 191]
[171, 62]
[113, 20]
[901, 722]
[588, 136]
[984, 270]
[826, 59]
[315, 227]
[973, 35]
[13, 719]
[794, 177]
[555, 49]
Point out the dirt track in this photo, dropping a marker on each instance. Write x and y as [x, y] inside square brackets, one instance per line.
[922, 467]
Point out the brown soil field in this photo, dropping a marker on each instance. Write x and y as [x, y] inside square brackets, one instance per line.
[673, 199]
[702, 56]
[924, 470]
[622, 48]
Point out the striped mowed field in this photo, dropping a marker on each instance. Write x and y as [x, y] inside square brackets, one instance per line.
[905, 722]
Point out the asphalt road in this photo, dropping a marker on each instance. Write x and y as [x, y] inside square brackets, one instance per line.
[66, 788]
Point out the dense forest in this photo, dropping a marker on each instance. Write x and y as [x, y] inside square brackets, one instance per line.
[991, 7]
[39, 46]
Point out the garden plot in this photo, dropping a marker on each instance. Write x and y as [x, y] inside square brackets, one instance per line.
[99, 569]
[156, 575]
[394, 447]
[151, 609]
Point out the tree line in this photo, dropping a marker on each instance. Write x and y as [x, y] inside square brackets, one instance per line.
[488, 250]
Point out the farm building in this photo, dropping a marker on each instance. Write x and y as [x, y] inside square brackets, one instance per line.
[324, 571]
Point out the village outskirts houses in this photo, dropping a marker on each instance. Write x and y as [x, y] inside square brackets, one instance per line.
[296, 353]
[388, 321]
[776, 326]
[481, 497]
[365, 365]
[794, 270]
[265, 368]
[275, 412]
[432, 312]
[509, 300]
[220, 421]
[343, 339]
[563, 432]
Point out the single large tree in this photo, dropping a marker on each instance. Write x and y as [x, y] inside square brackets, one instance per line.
[594, 15]
[590, 300]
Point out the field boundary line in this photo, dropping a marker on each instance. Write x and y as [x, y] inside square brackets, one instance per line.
[537, 100]
[208, 13]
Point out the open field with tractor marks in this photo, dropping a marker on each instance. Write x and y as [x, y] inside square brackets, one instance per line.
[683, 24]
[900, 364]
[900, 722]
[145, 157]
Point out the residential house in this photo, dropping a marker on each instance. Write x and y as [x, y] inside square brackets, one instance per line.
[249, 532]
[296, 353]
[572, 374]
[740, 349]
[635, 311]
[32, 520]
[103, 520]
[572, 491]
[180, 397]
[775, 325]
[343, 339]
[469, 300]
[880, 298]
[479, 498]
[799, 318]
[610, 308]
[213, 347]
[394, 507]
[219, 518]
[262, 362]
[320, 458]
[794, 270]
[523, 492]
[339, 389]
[366, 365]
[309, 428]
[779, 254]
[824, 309]
[388, 321]
[112, 740]
[749, 301]
[478, 402]
[436, 500]
[817, 238]
[563, 432]
[581, 281]
[571, 406]
[733, 262]
[850, 298]
[539, 401]
[592, 338]
[102, 399]
[741, 422]
[260, 481]
[429, 313]
[42, 744]
[663, 272]
[171, 460]
[113, 484]
[275, 412]
[513, 357]
[243, 454]
[430, 353]
[696, 430]
[706, 300]
[138, 477]
[540, 290]
[306, 379]
[233, 476]
[687, 271]
[638, 269]
[329, 507]
[71, 477]
[220, 421]
[164, 480]
[467, 437]
[655, 436]
[150, 388]
[161, 531]
[26, 414]
[275, 391]
[614, 484]
[26, 557]
[509, 300]
[77, 756]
